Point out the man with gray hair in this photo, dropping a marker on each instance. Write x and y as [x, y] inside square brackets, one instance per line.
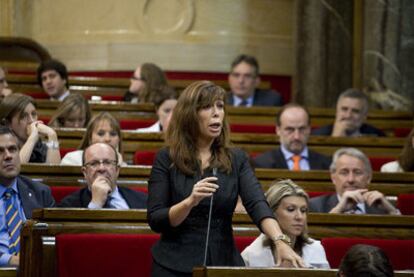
[351, 174]
[350, 117]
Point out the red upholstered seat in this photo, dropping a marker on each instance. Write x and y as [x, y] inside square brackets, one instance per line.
[37, 94]
[112, 97]
[141, 189]
[377, 162]
[252, 128]
[318, 193]
[64, 151]
[104, 254]
[400, 252]
[243, 241]
[60, 192]
[405, 204]
[132, 124]
[401, 132]
[144, 157]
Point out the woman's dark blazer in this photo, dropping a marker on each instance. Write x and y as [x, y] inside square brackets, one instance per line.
[181, 248]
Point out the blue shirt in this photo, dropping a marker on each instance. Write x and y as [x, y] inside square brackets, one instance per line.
[116, 201]
[4, 235]
[237, 100]
[304, 161]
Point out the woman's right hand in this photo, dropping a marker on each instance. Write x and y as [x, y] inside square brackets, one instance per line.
[286, 257]
[32, 130]
[202, 189]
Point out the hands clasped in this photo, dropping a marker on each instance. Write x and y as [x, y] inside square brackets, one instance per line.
[350, 199]
[202, 189]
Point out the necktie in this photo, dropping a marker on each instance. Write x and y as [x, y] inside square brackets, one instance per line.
[13, 220]
[296, 162]
[243, 103]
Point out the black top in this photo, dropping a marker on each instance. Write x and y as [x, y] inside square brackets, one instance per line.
[181, 248]
[82, 197]
[128, 96]
[39, 153]
[365, 129]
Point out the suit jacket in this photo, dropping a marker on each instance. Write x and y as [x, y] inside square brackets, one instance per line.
[33, 195]
[365, 129]
[82, 197]
[325, 203]
[182, 247]
[275, 159]
[261, 98]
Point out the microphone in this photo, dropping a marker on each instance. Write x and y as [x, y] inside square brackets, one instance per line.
[209, 221]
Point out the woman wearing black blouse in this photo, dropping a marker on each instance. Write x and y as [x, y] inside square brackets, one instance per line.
[182, 183]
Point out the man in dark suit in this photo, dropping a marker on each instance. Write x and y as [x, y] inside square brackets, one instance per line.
[351, 114]
[19, 196]
[351, 174]
[293, 129]
[101, 170]
[243, 80]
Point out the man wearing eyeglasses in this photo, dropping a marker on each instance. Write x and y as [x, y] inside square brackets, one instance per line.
[101, 170]
[19, 196]
[351, 174]
[244, 80]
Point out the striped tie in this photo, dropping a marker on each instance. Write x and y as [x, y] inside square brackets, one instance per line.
[14, 222]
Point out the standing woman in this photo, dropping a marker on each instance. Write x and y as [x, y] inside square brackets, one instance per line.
[73, 112]
[18, 112]
[183, 180]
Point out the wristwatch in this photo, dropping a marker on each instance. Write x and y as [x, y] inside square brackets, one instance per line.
[51, 144]
[283, 238]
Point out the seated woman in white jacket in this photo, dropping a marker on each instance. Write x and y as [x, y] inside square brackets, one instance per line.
[289, 203]
[102, 128]
[164, 101]
[405, 162]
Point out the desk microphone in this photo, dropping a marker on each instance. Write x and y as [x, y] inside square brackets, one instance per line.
[209, 221]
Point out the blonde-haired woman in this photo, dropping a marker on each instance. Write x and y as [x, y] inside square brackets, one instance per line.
[289, 203]
[73, 112]
[102, 128]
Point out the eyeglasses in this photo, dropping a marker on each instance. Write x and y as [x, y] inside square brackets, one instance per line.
[95, 163]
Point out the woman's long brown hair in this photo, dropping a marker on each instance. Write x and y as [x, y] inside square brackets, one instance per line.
[184, 131]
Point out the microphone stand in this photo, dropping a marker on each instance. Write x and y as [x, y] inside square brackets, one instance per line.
[209, 222]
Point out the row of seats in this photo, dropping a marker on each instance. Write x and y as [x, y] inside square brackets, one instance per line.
[131, 254]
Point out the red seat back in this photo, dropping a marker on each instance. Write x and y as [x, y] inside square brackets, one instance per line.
[104, 254]
[405, 204]
[132, 124]
[144, 157]
[402, 132]
[377, 162]
[60, 192]
[400, 252]
[252, 128]
[64, 151]
[243, 241]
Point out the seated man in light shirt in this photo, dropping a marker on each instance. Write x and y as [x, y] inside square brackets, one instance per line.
[351, 174]
[101, 170]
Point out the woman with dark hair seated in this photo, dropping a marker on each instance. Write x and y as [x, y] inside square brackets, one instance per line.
[405, 162]
[365, 261]
[289, 203]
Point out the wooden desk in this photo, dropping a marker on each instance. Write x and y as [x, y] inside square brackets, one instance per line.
[268, 272]
[391, 184]
[251, 143]
[38, 252]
